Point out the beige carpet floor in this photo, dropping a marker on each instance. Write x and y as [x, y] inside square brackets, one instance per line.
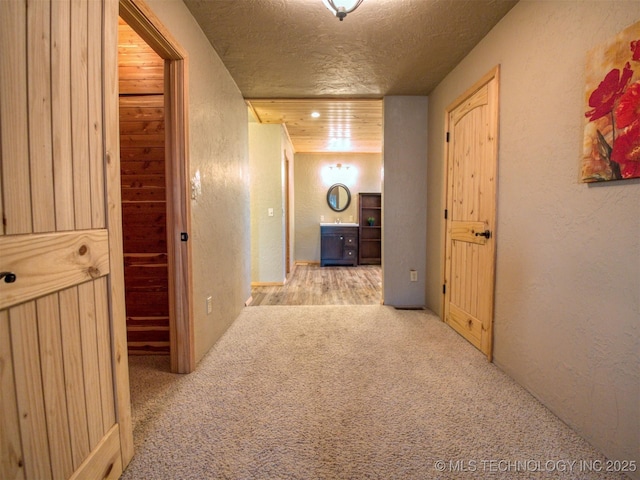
[345, 392]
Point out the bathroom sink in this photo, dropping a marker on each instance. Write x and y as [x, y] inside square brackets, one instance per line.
[333, 224]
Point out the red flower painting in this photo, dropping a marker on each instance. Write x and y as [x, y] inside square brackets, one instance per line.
[612, 113]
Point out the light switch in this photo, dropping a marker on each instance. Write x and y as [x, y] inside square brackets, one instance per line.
[271, 212]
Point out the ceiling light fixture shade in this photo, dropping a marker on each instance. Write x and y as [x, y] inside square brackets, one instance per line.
[340, 8]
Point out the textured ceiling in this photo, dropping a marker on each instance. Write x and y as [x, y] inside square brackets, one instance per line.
[296, 49]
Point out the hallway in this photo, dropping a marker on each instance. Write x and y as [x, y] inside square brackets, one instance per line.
[346, 392]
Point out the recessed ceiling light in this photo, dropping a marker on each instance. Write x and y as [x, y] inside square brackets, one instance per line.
[315, 114]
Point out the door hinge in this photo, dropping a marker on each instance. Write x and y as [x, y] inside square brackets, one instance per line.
[445, 213]
[447, 137]
[184, 236]
[444, 288]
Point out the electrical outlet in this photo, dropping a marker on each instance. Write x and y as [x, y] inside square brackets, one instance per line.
[270, 212]
[413, 275]
[322, 218]
[209, 305]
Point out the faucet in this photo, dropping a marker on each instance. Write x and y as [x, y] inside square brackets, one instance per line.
[338, 220]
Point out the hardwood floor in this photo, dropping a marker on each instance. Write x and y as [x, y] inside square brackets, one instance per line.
[315, 285]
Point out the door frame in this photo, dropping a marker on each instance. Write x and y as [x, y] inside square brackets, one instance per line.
[493, 74]
[287, 221]
[181, 330]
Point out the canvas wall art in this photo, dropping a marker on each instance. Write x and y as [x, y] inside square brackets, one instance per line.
[612, 109]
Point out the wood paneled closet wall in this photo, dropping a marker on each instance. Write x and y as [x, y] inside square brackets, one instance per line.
[142, 153]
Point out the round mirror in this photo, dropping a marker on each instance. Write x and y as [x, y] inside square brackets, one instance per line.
[338, 197]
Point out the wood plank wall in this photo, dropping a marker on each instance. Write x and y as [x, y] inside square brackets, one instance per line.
[142, 154]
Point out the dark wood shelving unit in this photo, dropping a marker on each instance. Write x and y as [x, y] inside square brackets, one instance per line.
[370, 238]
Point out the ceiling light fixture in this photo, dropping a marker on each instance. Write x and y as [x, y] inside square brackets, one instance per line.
[340, 8]
[315, 114]
[338, 166]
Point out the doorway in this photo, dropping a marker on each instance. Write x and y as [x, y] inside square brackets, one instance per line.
[470, 215]
[161, 193]
[287, 216]
[143, 186]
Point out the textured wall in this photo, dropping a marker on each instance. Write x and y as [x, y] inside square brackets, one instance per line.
[568, 254]
[312, 181]
[404, 199]
[267, 233]
[218, 143]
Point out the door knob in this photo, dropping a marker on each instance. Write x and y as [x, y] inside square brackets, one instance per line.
[486, 234]
[9, 277]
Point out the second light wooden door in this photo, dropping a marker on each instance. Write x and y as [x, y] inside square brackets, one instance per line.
[472, 123]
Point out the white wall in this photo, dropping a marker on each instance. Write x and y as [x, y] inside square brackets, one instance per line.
[567, 306]
[218, 150]
[404, 200]
[266, 153]
[312, 181]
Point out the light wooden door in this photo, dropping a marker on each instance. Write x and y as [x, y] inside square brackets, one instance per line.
[64, 390]
[472, 126]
